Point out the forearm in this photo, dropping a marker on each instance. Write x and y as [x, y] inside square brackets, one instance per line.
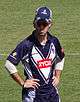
[17, 78]
[13, 72]
[29, 83]
[58, 68]
[57, 74]
[56, 77]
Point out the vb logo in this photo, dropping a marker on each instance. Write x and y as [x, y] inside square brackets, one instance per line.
[44, 12]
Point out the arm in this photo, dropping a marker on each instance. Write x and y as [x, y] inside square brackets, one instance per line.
[29, 83]
[57, 72]
[56, 78]
[17, 78]
[59, 63]
[14, 74]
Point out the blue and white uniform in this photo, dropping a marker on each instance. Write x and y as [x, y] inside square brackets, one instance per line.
[39, 62]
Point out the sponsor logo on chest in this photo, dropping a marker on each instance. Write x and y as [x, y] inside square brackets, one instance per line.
[45, 63]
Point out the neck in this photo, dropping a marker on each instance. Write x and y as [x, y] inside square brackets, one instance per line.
[42, 38]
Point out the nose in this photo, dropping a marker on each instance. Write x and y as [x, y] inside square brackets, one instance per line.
[41, 27]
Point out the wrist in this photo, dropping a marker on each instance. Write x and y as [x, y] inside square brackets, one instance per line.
[22, 84]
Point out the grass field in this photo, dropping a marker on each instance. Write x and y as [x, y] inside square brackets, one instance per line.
[16, 17]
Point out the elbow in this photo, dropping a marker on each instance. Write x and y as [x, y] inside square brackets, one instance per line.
[10, 67]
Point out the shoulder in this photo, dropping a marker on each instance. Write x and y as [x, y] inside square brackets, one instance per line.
[53, 39]
[27, 42]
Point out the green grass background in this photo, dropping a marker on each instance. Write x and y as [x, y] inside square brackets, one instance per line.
[16, 18]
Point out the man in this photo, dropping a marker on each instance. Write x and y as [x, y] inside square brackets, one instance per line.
[43, 59]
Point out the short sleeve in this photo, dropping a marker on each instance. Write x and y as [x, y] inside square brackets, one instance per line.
[59, 50]
[16, 55]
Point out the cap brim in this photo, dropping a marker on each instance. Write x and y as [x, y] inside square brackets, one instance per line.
[45, 19]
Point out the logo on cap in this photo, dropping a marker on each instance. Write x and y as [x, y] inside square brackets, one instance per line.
[44, 12]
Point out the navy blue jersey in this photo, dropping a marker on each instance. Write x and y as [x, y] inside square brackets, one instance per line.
[38, 60]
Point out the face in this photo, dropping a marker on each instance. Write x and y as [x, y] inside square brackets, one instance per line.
[42, 27]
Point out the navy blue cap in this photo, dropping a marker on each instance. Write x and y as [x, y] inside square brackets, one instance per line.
[43, 13]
